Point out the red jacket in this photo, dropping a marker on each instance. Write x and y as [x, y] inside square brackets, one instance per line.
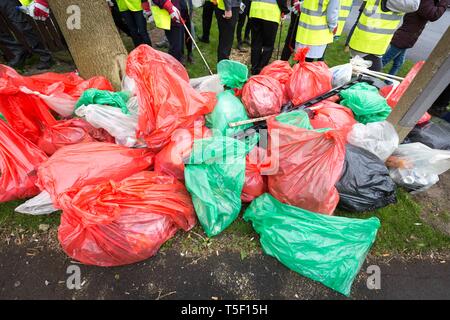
[414, 22]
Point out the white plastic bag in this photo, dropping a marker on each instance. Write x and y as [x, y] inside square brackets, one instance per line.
[61, 103]
[342, 74]
[416, 166]
[380, 138]
[41, 204]
[121, 126]
[207, 84]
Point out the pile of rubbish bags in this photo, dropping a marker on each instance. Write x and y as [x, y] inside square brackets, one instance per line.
[128, 169]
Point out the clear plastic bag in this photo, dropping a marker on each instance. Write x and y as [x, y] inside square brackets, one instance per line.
[207, 84]
[380, 138]
[121, 126]
[416, 166]
[39, 205]
[341, 74]
[62, 103]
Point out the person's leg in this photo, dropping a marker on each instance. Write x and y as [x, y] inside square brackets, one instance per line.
[175, 36]
[226, 32]
[207, 16]
[239, 27]
[141, 24]
[289, 43]
[20, 22]
[15, 48]
[256, 44]
[439, 107]
[398, 62]
[377, 65]
[248, 25]
[134, 34]
[118, 20]
[270, 30]
[187, 38]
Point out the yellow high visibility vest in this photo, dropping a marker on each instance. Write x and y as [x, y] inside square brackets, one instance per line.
[313, 27]
[266, 10]
[131, 5]
[221, 5]
[26, 2]
[344, 11]
[375, 29]
[161, 17]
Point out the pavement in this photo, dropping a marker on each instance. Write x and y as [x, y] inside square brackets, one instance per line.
[42, 274]
[427, 41]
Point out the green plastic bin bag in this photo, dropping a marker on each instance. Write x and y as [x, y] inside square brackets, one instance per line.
[229, 108]
[214, 176]
[366, 103]
[297, 118]
[232, 74]
[105, 97]
[324, 248]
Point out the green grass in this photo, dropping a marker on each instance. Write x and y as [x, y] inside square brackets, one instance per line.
[402, 230]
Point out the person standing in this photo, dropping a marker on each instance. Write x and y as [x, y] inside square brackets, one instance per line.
[117, 17]
[289, 42]
[345, 7]
[265, 16]
[168, 16]
[375, 29]
[38, 10]
[243, 16]
[413, 24]
[132, 12]
[207, 16]
[227, 15]
[317, 27]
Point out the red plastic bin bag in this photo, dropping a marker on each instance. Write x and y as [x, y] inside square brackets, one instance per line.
[255, 182]
[166, 100]
[19, 159]
[328, 114]
[68, 132]
[282, 71]
[118, 223]
[310, 163]
[91, 163]
[170, 160]
[262, 96]
[308, 79]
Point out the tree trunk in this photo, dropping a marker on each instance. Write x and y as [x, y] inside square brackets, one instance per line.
[94, 43]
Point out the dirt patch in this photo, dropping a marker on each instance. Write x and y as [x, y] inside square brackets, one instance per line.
[435, 203]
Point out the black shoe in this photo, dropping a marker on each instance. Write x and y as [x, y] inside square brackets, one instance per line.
[203, 40]
[241, 48]
[18, 61]
[44, 65]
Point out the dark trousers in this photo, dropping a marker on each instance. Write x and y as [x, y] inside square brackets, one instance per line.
[226, 32]
[175, 36]
[289, 43]
[187, 39]
[137, 25]
[263, 40]
[20, 22]
[377, 63]
[241, 21]
[207, 16]
[118, 19]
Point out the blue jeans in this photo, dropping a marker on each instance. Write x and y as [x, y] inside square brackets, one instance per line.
[396, 54]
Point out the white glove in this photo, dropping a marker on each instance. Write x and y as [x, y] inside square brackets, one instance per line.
[39, 10]
[175, 15]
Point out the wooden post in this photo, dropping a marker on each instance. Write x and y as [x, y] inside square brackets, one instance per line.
[96, 46]
[429, 83]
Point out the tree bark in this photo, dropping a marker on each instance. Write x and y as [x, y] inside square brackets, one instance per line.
[429, 83]
[96, 46]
